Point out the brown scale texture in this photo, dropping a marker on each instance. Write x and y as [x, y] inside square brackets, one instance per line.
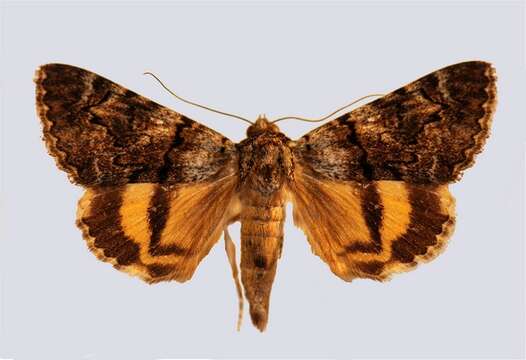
[103, 134]
[262, 219]
[104, 227]
[425, 132]
[265, 167]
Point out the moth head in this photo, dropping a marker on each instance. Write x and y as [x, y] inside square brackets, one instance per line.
[261, 125]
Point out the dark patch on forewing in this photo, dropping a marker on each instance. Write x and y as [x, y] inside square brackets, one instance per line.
[426, 223]
[104, 224]
[367, 171]
[157, 217]
[168, 170]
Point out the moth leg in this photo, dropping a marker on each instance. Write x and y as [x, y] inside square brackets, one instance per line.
[230, 249]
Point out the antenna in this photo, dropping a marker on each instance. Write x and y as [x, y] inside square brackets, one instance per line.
[250, 122]
[326, 116]
[196, 104]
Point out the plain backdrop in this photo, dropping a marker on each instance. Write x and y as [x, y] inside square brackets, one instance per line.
[288, 58]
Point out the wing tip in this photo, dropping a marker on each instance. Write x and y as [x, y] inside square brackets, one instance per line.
[485, 121]
[50, 141]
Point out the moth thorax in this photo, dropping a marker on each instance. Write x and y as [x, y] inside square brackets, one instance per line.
[265, 162]
[261, 125]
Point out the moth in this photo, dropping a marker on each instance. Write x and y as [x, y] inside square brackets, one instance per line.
[369, 188]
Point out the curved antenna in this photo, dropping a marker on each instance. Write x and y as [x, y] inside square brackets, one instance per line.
[327, 116]
[196, 104]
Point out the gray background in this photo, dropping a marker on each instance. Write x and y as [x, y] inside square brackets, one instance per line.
[290, 58]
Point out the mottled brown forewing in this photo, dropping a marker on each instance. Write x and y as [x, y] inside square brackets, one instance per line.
[102, 134]
[426, 132]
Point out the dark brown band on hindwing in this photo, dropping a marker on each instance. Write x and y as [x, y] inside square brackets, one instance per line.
[157, 217]
[372, 210]
[104, 224]
[373, 267]
[155, 232]
[428, 221]
[160, 270]
[426, 224]
[105, 227]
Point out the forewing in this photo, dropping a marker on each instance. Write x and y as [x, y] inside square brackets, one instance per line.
[103, 134]
[372, 230]
[157, 232]
[425, 132]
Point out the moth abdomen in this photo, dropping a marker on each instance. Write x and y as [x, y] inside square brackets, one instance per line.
[261, 243]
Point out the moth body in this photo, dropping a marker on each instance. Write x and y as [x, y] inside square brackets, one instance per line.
[265, 167]
[262, 219]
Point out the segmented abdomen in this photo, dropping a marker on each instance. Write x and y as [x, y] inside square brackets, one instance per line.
[262, 221]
